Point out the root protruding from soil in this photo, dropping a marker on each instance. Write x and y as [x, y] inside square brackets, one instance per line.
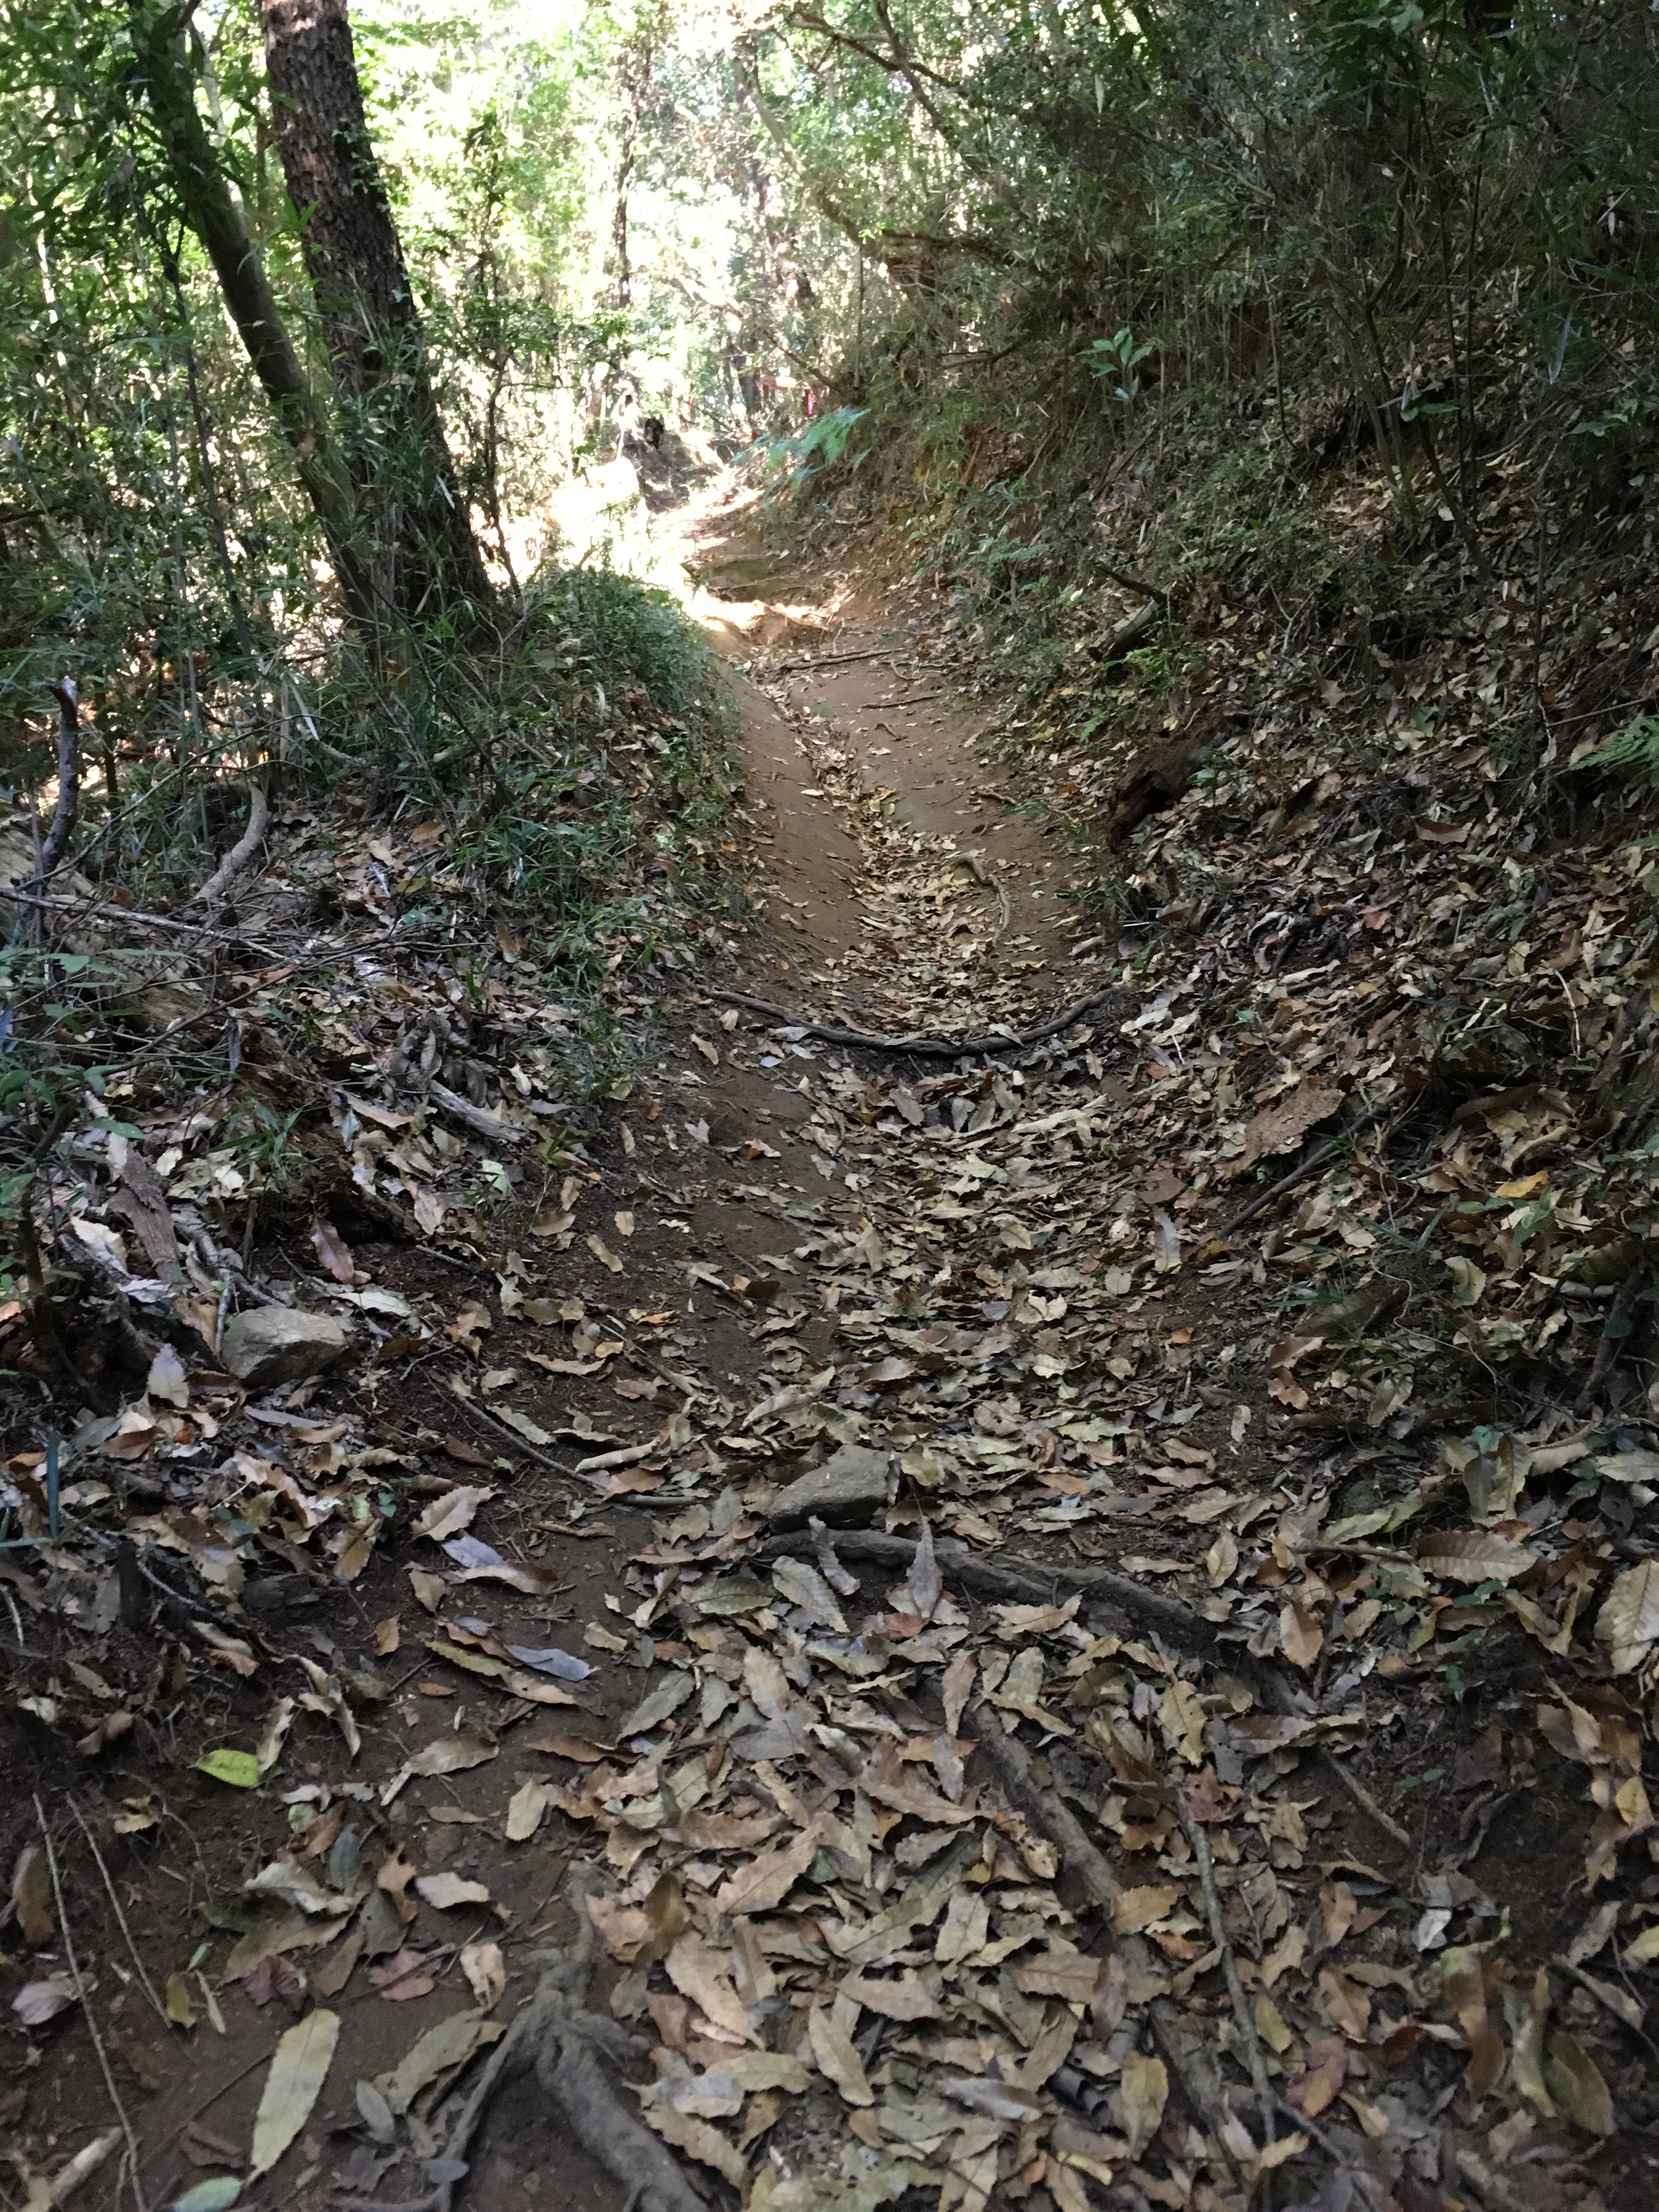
[562, 2043]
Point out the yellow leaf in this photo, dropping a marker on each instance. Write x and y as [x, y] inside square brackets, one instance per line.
[31, 1893]
[1221, 1559]
[1525, 2012]
[180, 2009]
[704, 2143]
[1137, 2104]
[1181, 1717]
[603, 1255]
[1275, 2153]
[1576, 2083]
[1346, 2006]
[1270, 2025]
[697, 1971]
[1134, 1910]
[762, 1885]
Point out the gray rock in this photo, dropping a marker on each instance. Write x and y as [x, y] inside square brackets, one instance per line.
[851, 1484]
[276, 1344]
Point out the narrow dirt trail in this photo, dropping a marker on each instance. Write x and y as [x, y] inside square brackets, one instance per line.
[864, 1947]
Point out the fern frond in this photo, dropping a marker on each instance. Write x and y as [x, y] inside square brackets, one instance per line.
[1635, 746]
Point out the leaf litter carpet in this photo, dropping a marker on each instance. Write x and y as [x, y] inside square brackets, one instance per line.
[1058, 1684]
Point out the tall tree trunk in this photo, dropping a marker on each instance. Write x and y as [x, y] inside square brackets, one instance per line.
[212, 211]
[394, 437]
[636, 63]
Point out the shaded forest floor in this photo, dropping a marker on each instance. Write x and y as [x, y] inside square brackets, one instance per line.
[1324, 1611]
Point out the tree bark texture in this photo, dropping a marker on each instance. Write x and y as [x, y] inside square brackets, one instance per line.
[394, 438]
[212, 211]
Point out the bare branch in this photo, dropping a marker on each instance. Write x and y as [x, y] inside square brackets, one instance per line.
[66, 812]
[241, 852]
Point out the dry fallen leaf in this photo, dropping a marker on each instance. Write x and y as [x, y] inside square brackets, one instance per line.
[1139, 2101]
[298, 2070]
[1474, 1556]
[524, 1812]
[447, 1889]
[31, 1894]
[832, 2047]
[486, 1972]
[1627, 1626]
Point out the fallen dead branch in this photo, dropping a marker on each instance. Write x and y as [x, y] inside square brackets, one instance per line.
[79, 1980]
[134, 917]
[1032, 1584]
[481, 1123]
[924, 1047]
[1316, 1160]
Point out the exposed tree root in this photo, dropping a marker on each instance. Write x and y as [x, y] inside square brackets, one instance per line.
[922, 1047]
[1032, 1583]
[1192, 2066]
[561, 2042]
[1166, 1616]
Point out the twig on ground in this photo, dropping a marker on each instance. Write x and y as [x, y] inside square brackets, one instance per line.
[1005, 1755]
[141, 918]
[1609, 2000]
[1243, 2013]
[242, 852]
[1615, 1332]
[144, 1981]
[1368, 1804]
[1028, 1581]
[519, 1443]
[1284, 1697]
[920, 1046]
[1314, 1160]
[687, 1385]
[833, 659]
[79, 1980]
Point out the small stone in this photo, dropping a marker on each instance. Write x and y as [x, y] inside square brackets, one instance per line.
[851, 1484]
[277, 1343]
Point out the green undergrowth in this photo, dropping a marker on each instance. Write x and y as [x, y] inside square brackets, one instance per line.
[508, 849]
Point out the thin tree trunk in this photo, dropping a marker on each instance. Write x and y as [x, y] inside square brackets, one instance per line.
[638, 58]
[376, 349]
[213, 213]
